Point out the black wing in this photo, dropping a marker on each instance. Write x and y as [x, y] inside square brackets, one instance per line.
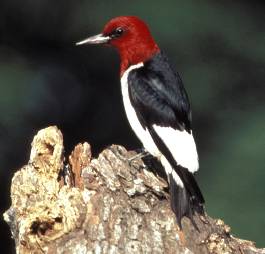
[158, 95]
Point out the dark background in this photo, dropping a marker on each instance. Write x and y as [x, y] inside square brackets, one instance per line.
[217, 46]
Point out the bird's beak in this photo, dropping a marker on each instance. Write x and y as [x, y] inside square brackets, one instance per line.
[96, 39]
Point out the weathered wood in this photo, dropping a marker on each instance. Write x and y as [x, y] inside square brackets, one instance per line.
[114, 207]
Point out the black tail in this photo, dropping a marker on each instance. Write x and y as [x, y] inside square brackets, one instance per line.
[186, 201]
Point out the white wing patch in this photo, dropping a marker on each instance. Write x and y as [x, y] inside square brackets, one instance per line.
[181, 145]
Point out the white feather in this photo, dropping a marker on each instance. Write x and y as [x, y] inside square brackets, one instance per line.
[143, 135]
[181, 145]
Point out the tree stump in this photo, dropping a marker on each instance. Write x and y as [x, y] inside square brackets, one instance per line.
[102, 205]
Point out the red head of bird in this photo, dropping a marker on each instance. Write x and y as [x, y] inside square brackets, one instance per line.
[130, 36]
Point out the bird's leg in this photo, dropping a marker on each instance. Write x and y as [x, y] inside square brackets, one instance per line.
[143, 153]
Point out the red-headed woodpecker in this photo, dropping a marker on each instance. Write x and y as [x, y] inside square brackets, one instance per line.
[157, 107]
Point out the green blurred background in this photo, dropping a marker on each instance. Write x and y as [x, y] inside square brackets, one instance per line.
[217, 46]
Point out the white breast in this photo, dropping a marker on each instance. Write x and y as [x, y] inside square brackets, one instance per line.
[140, 132]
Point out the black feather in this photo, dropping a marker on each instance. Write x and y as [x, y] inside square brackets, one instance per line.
[182, 203]
[158, 95]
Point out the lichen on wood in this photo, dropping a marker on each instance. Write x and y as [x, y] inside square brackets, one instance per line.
[109, 206]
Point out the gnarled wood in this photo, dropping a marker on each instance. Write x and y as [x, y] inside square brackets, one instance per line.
[114, 207]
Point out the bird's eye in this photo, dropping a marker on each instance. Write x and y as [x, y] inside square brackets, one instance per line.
[116, 33]
[119, 31]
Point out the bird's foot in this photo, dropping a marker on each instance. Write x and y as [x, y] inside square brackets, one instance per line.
[143, 153]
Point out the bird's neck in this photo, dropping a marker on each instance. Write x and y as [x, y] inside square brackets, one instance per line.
[137, 54]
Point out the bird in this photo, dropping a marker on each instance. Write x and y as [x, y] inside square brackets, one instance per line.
[158, 109]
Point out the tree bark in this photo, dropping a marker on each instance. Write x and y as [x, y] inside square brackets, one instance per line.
[102, 205]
